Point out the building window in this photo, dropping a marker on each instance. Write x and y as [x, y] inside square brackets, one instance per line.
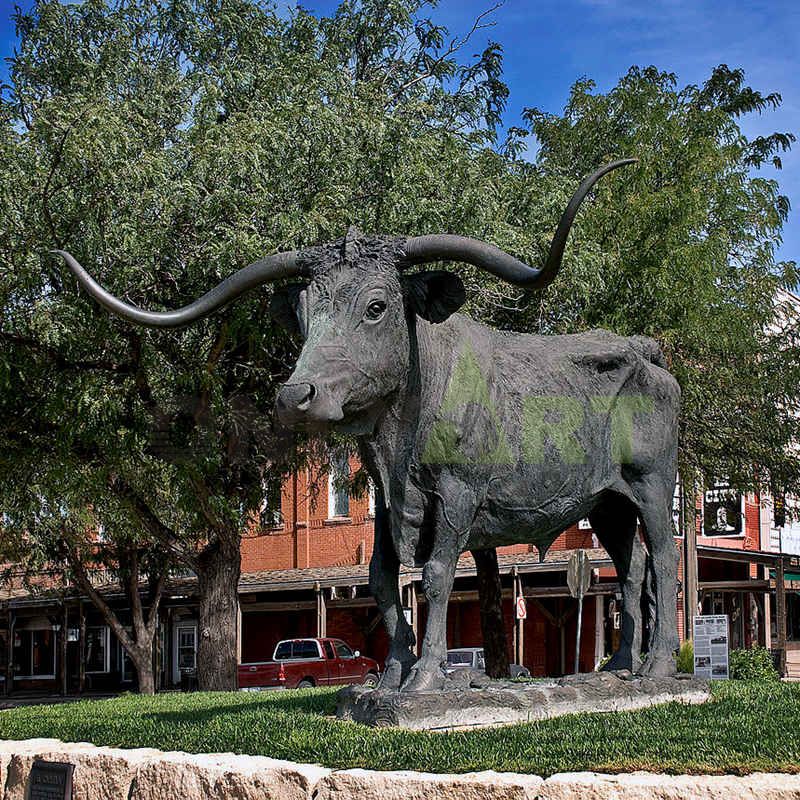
[338, 488]
[187, 647]
[35, 654]
[97, 650]
[270, 515]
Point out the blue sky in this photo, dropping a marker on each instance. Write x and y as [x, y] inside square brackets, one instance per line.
[550, 43]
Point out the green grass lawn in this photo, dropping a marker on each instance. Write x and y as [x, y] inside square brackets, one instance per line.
[746, 728]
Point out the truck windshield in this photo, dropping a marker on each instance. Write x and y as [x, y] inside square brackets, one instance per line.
[459, 658]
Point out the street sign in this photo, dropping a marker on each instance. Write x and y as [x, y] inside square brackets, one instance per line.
[522, 608]
[711, 646]
[579, 573]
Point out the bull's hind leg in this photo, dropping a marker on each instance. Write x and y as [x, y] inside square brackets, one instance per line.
[384, 574]
[654, 497]
[614, 522]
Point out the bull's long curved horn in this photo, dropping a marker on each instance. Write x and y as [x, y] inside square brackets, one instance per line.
[271, 268]
[449, 247]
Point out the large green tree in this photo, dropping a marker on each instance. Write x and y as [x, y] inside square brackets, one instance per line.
[684, 250]
[166, 144]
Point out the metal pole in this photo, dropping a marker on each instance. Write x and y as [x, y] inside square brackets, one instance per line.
[578, 634]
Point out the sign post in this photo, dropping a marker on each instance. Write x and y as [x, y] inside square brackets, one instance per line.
[711, 646]
[579, 576]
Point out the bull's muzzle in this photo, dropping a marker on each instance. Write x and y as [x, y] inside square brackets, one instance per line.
[302, 404]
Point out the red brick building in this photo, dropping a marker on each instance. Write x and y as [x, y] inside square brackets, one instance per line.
[305, 573]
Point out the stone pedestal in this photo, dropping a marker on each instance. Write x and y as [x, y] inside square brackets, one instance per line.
[473, 700]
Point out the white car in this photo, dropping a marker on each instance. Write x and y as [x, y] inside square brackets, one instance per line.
[472, 657]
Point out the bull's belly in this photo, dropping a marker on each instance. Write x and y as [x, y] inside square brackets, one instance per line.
[540, 523]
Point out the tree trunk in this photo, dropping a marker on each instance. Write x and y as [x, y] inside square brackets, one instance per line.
[145, 674]
[490, 593]
[218, 571]
[142, 659]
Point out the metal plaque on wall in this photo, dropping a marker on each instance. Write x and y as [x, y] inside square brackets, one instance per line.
[50, 780]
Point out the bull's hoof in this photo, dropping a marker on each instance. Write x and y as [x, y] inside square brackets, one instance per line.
[620, 661]
[423, 679]
[658, 665]
[395, 672]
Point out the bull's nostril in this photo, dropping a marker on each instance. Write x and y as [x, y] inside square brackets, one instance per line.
[305, 403]
[296, 397]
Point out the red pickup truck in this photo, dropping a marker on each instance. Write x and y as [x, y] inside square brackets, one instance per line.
[302, 663]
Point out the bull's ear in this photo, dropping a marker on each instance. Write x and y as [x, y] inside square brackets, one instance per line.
[283, 307]
[434, 295]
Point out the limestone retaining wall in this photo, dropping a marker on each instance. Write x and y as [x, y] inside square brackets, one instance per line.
[104, 773]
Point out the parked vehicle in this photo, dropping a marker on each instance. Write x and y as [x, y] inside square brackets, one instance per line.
[472, 658]
[302, 663]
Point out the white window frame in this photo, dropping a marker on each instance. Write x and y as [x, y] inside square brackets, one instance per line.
[176, 667]
[106, 650]
[371, 499]
[332, 492]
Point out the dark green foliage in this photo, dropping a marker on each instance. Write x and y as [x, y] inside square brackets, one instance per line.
[746, 728]
[685, 660]
[753, 664]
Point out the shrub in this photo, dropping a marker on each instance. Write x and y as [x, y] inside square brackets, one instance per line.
[685, 660]
[753, 664]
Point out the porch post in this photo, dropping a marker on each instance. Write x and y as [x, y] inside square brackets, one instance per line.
[322, 612]
[239, 633]
[690, 571]
[599, 632]
[767, 611]
[9, 682]
[64, 632]
[519, 639]
[780, 615]
[81, 649]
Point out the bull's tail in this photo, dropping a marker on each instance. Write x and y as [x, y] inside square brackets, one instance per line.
[649, 349]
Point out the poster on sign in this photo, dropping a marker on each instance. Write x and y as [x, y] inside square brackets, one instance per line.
[711, 647]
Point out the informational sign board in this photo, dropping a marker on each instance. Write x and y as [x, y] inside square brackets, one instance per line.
[50, 780]
[521, 608]
[711, 647]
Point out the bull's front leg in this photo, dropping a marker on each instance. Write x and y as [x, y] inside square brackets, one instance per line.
[453, 517]
[384, 574]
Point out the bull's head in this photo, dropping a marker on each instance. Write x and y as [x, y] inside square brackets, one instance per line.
[353, 310]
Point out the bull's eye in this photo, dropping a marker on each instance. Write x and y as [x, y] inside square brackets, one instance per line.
[375, 310]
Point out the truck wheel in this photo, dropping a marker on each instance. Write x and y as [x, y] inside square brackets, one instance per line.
[371, 681]
[306, 683]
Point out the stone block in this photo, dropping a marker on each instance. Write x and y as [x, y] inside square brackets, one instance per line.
[360, 784]
[652, 786]
[225, 776]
